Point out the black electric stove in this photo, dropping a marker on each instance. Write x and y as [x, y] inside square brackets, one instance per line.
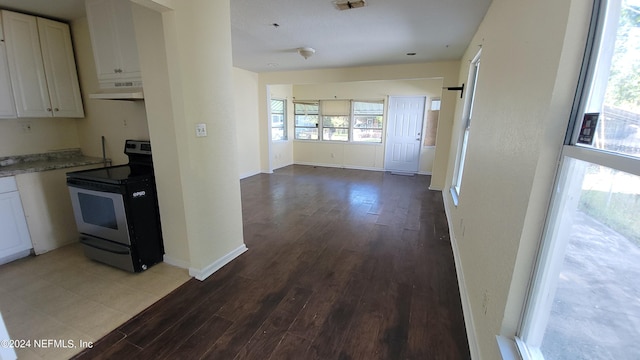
[116, 211]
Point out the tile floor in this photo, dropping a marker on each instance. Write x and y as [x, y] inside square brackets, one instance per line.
[62, 295]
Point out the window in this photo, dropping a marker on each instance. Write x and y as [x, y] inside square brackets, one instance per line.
[306, 120]
[468, 114]
[431, 131]
[367, 121]
[583, 302]
[342, 120]
[335, 120]
[278, 119]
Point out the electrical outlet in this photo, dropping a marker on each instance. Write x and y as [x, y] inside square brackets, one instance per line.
[201, 130]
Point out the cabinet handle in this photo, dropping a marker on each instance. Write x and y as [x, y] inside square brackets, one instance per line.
[56, 109]
[49, 109]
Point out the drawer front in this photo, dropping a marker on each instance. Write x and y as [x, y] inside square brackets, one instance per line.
[108, 253]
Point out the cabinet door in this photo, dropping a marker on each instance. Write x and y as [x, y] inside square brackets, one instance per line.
[102, 29]
[25, 65]
[114, 43]
[7, 105]
[127, 46]
[13, 226]
[60, 68]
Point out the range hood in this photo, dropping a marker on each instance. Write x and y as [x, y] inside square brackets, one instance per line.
[118, 94]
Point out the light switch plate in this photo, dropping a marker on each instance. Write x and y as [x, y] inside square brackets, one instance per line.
[201, 130]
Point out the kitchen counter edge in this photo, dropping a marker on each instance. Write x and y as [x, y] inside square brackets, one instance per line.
[24, 164]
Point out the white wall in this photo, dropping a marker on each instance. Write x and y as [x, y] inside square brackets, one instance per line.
[152, 39]
[247, 127]
[46, 135]
[188, 75]
[531, 55]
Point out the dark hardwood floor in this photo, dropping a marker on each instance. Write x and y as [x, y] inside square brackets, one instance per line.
[342, 264]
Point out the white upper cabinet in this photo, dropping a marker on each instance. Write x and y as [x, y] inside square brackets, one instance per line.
[41, 66]
[114, 45]
[7, 106]
[60, 68]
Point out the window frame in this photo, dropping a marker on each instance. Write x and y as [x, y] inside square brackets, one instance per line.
[326, 115]
[353, 125]
[284, 125]
[351, 122]
[305, 113]
[551, 253]
[472, 81]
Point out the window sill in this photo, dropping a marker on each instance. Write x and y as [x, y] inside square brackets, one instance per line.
[338, 142]
[454, 195]
[508, 348]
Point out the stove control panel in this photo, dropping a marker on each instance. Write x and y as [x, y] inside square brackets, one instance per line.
[142, 147]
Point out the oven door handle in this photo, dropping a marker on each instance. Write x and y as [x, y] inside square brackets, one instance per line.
[88, 242]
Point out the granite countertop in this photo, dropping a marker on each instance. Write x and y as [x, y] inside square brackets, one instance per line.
[21, 164]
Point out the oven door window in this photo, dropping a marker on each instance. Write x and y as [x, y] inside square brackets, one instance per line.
[100, 214]
[98, 210]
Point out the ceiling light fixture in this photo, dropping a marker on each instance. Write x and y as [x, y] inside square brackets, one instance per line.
[306, 52]
[346, 5]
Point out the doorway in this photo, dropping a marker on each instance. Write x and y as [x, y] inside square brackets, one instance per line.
[404, 134]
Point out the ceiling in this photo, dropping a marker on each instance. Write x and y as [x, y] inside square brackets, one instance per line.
[380, 33]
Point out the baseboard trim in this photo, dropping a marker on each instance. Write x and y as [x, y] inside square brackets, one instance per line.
[202, 274]
[339, 166]
[280, 167]
[249, 174]
[464, 295]
[16, 256]
[175, 262]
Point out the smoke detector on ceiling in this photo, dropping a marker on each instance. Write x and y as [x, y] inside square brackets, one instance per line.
[346, 5]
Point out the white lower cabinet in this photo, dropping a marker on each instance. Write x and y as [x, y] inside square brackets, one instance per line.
[15, 241]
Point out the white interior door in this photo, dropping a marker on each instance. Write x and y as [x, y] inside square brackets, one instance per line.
[404, 134]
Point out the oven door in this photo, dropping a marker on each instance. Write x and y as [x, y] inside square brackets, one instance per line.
[100, 214]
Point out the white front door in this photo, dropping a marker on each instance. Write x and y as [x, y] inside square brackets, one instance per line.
[404, 134]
